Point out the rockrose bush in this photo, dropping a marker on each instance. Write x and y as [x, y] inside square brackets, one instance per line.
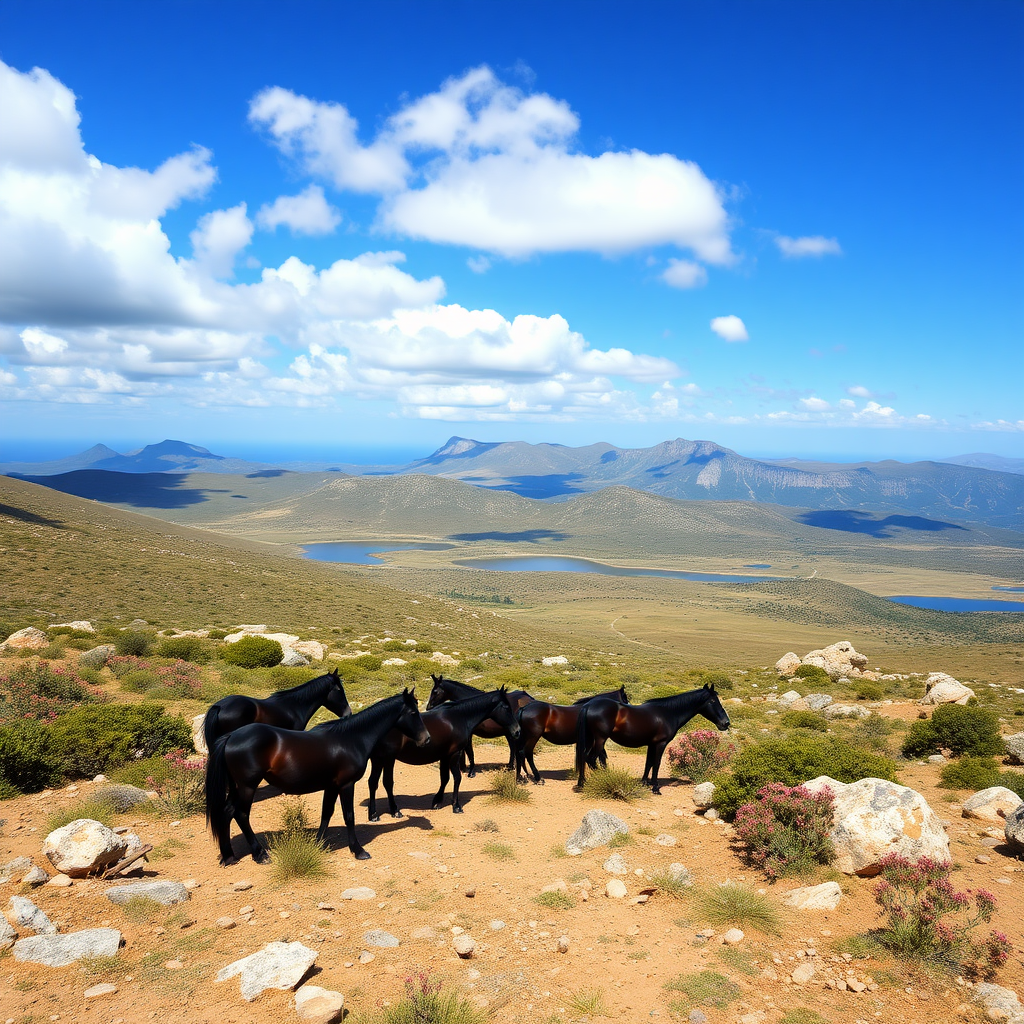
[786, 829]
[926, 917]
[182, 788]
[255, 652]
[182, 679]
[42, 692]
[698, 754]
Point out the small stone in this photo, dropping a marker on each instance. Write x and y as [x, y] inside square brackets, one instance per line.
[615, 865]
[470, 893]
[173, 965]
[703, 796]
[856, 986]
[425, 933]
[596, 829]
[103, 989]
[380, 939]
[225, 923]
[365, 957]
[665, 839]
[190, 883]
[8, 936]
[989, 843]
[246, 910]
[803, 974]
[563, 944]
[359, 892]
[23, 913]
[317, 1004]
[242, 885]
[615, 888]
[325, 906]
[496, 925]
[464, 945]
[698, 1017]
[35, 876]
[983, 858]
[825, 896]
[733, 937]
[711, 814]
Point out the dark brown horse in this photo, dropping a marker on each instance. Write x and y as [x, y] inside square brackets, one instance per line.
[489, 729]
[555, 723]
[653, 724]
[287, 709]
[451, 727]
[331, 757]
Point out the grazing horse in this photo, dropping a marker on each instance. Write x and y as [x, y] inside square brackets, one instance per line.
[654, 723]
[331, 758]
[555, 723]
[448, 689]
[287, 709]
[451, 727]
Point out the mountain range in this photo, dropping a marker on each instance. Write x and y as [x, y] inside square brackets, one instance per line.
[695, 470]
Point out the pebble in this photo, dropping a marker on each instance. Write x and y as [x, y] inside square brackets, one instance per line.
[247, 910]
[173, 965]
[365, 957]
[464, 945]
[242, 885]
[496, 925]
[665, 839]
[982, 859]
[225, 922]
[359, 892]
[615, 888]
[803, 974]
[103, 989]
[190, 883]
[61, 881]
[733, 937]
[323, 906]
[563, 944]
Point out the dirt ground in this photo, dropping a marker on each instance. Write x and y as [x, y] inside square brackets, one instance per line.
[430, 874]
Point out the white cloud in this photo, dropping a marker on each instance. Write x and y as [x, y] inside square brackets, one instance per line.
[308, 213]
[859, 391]
[815, 404]
[482, 164]
[218, 239]
[814, 246]
[684, 274]
[730, 328]
[478, 264]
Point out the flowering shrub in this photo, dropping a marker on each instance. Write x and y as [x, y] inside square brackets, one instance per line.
[698, 754]
[42, 692]
[426, 1000]
[925, 916]
[786, 829]
[182, 679]
[183, 786]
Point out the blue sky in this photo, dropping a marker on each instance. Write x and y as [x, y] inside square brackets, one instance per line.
[792, 228]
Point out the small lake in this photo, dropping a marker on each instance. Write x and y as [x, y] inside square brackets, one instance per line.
[564, 563]
[1010, 590]
[360, 553]
[961, 604]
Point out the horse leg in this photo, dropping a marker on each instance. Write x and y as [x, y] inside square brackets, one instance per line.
[326, 810]
[375, 771]
[439, 798]
[349, 814]
[513, 763]
[456, 781]
[657, 752]
[389, 786]
[246, 794]
[647, 765]
[528, 756]
[471, 773]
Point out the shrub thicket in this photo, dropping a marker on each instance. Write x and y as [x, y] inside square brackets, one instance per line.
[27, 760]
[253, 652]
[957, 728]
[185, 648]
[812, 674]
[969, 772]
[792, 761]
[698, 754]
[41, 691]
[804, 720]
[134, 642]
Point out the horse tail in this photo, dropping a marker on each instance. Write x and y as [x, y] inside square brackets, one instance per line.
[582, 745]
[218, 779]
[210, 726]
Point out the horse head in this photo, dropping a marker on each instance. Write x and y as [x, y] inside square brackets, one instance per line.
[713, 710]
[505, 712]
[410, 722]
[437, 692]
[623, 695]
[336, 700]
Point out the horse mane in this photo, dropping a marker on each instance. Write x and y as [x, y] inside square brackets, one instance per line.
[306, 689]
[469, 704]
[462, 686]
[685, 693]
[366, 718]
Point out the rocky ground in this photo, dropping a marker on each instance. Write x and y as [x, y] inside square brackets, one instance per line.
[436, 877]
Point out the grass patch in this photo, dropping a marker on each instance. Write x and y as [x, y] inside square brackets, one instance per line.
[676, 886]
[802, 1015]
[613, 784]
[96, 810]
[588, 1002]
[295, 852]
[739, 960]
[167, 849]
[558, 851]
[739, 906]
[499, 851]
[706, 988]
[858, 946]
[620, 839]
[555, 900]
[429, 1001]
[487, 825]
[505, 789]
[141, 908]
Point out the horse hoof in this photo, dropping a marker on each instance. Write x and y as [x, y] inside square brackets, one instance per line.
[456, 810]
[262, 857]
[436, 805]
[361, 855]
[374, 817]
[398, 814]
[538, 782]
[470, 775]
[226, 862]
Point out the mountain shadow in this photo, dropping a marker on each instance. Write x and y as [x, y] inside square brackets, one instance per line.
[850, 521]
[522, 536]
[550, 485]
[139, 490]
[30, 517]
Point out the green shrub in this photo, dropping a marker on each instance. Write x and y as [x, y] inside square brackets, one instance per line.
[614, 784]
[393, 645]
[295, 851]
[27, 759]
[736, 905]
[145, 773]
[93, 739]
[430, 1001]
[368, 662]
[134, 642]
[868, 690]
[218, 634]
[813, 674]
[969, 772]
[555, 900]
[804, 720]
[706, 988]
[254, 652]
[499, 851]
[505, 789]
[792, 761]
[140, 680]
[719, 680]
[97, 810]
[957, 728]
[41, 691]
[185, 648]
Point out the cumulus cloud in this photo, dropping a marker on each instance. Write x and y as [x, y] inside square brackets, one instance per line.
[482, 164]
[308, 213]
[730, 328]
[859, 391]
[815, 404]
[814, 246]
[478, 264]
[218, 239]
[684, 274]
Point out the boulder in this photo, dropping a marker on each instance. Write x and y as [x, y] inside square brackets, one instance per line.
[1013, 830]
[837, 660]
[96, 657]
[1015, 748]
[944, 689]
[165, 892]
[703, 796]
[787, 664]
[284, 639]
[788, 697]
[280, 965]
[61, 950]
[557, 659]
[311, 649]
[812, 702]
[8, 936]
[292, 659]
[846, 711]
[27, 639]
[992, 804]
[596, 829]
[82, 847]
[874, 818]
[23, 913]
[1000, 1004]
[814, 897]
[198, 738]
[82, 625]
[320, 1005]
[15, 870]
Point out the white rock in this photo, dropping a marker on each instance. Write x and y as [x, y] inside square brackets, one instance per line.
[558, 885]
[703, 796]
[678, 873]
[838, 660]
[320, 1005]
[82, 847]
[60, 881]
[814, 897]
[380, 939]
[812, 702]
[292, 659]
[103, 989]
[496, 925]
[1015, 748]
[557, 659]
[936, 759]
[596, 829]
[999, 1004]
[711, 814]
[35, 876]
[615, 865]
[616, 889]
[27, 639]
[279, 965]
[803, 974]
[464, 945]
[733, 937]
[23, 913]
[874, 818]
[82, 625]
[15, 870]
[61, 950]
[846, 711]
[284, 639]
[160, 891]
[311, 649]
[1013, 830]
[787, 664]
[788, 697]
[440, 658]
[665, 839]
[198, 739]
[563, 943]
[359, 892]
[7, 935]
[992, 804]
[944, 689]
[387, 662]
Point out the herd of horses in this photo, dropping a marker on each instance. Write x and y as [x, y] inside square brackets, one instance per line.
[254, 740]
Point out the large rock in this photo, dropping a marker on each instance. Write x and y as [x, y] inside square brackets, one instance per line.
[280, 965]
[1000, 1004]
[874, 818]
[846, 711]
[703, 795]
[812, 702]
[8, 935]
[96, 657]
[814, 897]
[82, 847]
[596, 829]
[284, 639]
[1014, 829]
[311, 649]
[320, 1005]
[23, 913]
[837, 660]
[165, 892]
[15, 870]
[27, 639]
[82, 625]
[292, 659]
[198, 738]
[992, 804]
[788, 664]
[943, 689]
[1015, 748]
[61, 950]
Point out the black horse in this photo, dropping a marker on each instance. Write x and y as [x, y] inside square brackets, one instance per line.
[448, 689]
[331, 758]
[654, 723]
[287, 709]
[557, 724]
[451, 727]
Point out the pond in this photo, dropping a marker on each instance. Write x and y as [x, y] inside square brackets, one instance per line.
[564, 563]
[961, 604]
[358, 553]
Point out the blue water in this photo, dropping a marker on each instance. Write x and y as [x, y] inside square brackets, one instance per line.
[561, 563]
[359, 554]
[757, 565]
[1010, 590]
[961, 604]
